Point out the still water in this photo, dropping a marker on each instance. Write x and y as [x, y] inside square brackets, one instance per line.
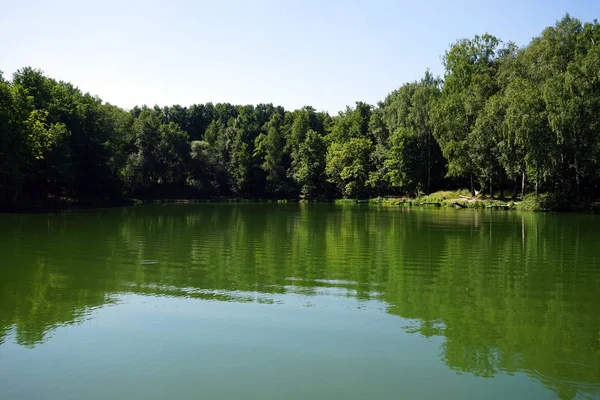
[299, 301]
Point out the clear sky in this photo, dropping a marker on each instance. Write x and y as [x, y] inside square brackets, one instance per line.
[324, 53]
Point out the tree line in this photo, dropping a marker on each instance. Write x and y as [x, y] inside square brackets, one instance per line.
[502, 118]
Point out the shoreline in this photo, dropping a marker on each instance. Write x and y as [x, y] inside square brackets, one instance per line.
[445, 199]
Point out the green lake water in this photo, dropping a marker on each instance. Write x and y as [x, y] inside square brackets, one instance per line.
[299, 301]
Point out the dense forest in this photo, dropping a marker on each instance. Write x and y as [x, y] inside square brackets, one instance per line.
[502, 120]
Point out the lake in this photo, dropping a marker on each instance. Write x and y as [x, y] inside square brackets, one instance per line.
[299, 301]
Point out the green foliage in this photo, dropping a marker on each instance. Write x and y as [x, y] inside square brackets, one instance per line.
[349, 165]
[413, 157]
[201, 169]
[309, 166]
[543, 202]
[527, 119]
[470, 80]
[269, 148]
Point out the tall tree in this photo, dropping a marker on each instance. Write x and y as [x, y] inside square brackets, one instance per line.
[269, 149]
[349, 166]
[470, 80]
[310, 164]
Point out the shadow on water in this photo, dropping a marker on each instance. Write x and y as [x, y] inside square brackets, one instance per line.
[507, 292]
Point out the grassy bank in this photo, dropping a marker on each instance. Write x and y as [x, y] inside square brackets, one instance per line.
[446, 198]
[463, 199]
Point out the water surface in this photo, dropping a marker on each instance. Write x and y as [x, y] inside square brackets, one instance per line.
[299, 301]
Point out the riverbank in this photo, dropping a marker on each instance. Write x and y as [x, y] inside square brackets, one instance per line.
[455, 199]
[463, 199]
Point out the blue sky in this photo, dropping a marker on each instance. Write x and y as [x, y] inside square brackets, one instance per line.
[324, 53]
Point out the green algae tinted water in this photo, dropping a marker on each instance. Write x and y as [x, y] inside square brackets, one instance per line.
[299, 301]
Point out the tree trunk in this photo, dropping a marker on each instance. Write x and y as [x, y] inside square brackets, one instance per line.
[472, 186]
[523, 184]
[577, 182]
[562, 175]
[428, 165]
[537, 179]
